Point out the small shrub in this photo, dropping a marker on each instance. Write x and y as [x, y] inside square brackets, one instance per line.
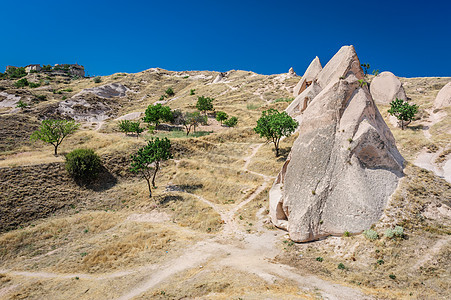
[252, 106]
[41, 97]
[380, 262]
[186, 77]
[389, 233]
[341, 266]
[392, 276]
[346, 234]
[21, 104]
[371, 234]
[33, 85]
[192, 92]
[83, 164]
[21, 83]
[231, 122]
[97, 79]
[64, 97]
[398, 231]
[320, 259]
[161, 98]
[170, 92]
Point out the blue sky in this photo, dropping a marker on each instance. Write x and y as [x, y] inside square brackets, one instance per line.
[409, 38]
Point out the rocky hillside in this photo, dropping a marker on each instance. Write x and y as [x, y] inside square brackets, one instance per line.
[206, 233]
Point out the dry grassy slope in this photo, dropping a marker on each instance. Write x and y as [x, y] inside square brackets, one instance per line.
[113, 235]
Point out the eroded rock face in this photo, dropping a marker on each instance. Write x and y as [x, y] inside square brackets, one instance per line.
[309, 76]
[344, 165]
[106, 91]
[386, 87]
[443, 98]
[291, 72]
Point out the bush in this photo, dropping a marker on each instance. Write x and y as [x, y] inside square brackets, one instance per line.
[170, 92]
[33, 85]
[320, 259]
[97, 79]
[341, 266]
[21, 83]
[371, 234]
[231, 122]
[21, 104]
[398, 231]
[83, 164]
[192, 92]
[389, 233]
[16, 72]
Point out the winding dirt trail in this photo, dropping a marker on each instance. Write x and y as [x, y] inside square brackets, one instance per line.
[232, 247]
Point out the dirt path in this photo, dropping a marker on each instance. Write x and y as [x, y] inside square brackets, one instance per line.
[232, 247]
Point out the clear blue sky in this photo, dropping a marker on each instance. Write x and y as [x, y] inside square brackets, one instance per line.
[410, 38]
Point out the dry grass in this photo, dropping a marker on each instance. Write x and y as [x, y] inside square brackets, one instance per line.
[225, 283]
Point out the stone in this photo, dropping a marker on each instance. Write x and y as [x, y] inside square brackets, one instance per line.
[344, 165]
[386, 87]
[309, 76]
[443, 98]
[219, 78]
[300, 103]
[291, 72]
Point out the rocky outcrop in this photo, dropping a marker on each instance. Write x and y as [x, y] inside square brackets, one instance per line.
[219, 78]
[291, 72]
[386, 87]
[344, 165]
[443, 98]
[106, 91]
[309, 76]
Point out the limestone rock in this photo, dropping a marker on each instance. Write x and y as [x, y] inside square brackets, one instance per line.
[219, 78]
[309, 76]
[386, 87]
[443, 98]
[291, 72]
[344, 165]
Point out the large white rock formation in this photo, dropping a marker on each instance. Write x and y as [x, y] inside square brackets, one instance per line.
[386, 87]
[310, 74]
[443, 98]
[344, 165]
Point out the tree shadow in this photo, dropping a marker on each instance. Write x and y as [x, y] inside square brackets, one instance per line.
[283, 153]
[164, 199]
[189, 188]
[104, 181]
[416, 127]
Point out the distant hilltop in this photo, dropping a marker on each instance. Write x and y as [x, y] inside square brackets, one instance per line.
[57, 69]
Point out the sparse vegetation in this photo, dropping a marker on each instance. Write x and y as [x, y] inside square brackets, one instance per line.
[192, 92]
[273, 125]
[21, 104]
[21, 83]
[54, 132]
[231, 122]
[403, 111]
[97, 79]
[170, 92]
[190, 120]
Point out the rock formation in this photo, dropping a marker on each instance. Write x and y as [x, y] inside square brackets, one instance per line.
[344, 165]
[219, 78]
[291, 72]
[310, 74]
[386, 87]
[443, 98]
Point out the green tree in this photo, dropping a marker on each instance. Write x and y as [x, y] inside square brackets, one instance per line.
[14, 72]
[231, 122]
[148, 158]
[191, 120]
[54, 132]
[403, 111]
[124, 126]
[154, 114]
[135, 127]
[221, 116]
[273, 125]
[204, 104]
[83, 164]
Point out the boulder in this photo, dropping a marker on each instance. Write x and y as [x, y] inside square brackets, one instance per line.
[386, 87]
[291, 72]
[309, 76]
[443, 98]
[344, 165]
